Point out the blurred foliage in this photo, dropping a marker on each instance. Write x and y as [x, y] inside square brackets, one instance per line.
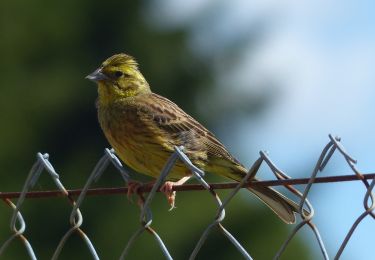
[47, 48]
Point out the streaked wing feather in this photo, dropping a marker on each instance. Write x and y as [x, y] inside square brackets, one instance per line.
[169, 117]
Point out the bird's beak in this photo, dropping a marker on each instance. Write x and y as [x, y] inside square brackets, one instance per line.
[97, 75]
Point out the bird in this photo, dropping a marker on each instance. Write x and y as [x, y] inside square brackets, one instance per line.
[144, 128]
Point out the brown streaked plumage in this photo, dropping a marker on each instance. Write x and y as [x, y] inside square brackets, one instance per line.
[144, 127]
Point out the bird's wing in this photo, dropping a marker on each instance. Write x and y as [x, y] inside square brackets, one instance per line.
[170, 118]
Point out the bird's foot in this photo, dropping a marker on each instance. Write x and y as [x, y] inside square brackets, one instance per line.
[167, 189]
[134, 188]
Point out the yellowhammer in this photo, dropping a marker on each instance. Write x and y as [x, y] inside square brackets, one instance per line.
[144, 128]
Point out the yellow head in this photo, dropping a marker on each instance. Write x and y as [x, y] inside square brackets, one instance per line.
[117, 78]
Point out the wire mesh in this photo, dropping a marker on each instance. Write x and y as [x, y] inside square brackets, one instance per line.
[306, 210]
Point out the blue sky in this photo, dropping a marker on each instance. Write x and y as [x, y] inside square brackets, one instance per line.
[322, 54]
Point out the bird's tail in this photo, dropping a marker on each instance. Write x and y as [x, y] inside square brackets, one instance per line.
[278, 203]
[281, 205]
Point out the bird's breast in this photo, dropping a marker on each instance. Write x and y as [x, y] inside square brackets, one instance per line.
[140, 147]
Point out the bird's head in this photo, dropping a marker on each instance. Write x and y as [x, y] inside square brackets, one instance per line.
[119, 77]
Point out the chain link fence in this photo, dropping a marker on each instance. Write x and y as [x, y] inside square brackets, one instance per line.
[306, 210]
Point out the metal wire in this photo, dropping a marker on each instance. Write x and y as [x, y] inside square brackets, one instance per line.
[306, 210]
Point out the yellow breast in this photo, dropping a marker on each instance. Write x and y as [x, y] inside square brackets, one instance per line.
[136, 143]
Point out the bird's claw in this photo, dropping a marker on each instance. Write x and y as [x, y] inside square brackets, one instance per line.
[133, 188]
[167, 189]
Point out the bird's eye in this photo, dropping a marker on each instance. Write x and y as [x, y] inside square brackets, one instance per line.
[118, 74]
